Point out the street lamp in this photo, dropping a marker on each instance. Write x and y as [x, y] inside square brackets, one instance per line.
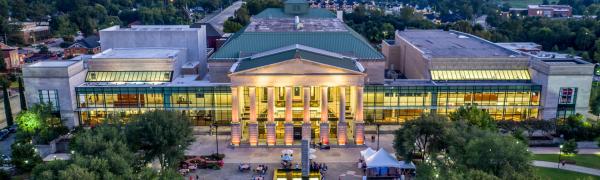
[217, 136]
[559, 151]
[378, 125]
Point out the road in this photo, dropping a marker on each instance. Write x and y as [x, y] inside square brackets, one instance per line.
[5, 144]
[220, 18]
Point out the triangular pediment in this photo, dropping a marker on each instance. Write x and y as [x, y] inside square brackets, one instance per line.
[297, 67]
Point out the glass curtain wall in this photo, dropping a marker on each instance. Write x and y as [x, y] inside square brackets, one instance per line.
[396, 104]
[203, 105]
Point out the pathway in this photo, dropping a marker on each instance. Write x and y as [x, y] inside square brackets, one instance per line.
[220, 18]
[554, 150]
[568, 167]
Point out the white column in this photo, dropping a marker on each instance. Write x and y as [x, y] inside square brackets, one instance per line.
[235, 101]
[359, 123]
[288, 104]
[253, 125]
[342, 106]
[252, 94]
[342, 126]
[324, 109]
[289, 125]
[270, 105]
[324, 126]
[359, 104]
[271, 137]
[306, 126]
[235, 117]
[306, 104]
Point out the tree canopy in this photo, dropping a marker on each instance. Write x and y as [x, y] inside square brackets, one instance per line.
[162, 135]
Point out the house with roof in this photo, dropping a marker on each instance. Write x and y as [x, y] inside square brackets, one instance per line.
[87, 45]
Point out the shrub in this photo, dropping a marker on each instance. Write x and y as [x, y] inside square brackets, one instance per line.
[570, 147]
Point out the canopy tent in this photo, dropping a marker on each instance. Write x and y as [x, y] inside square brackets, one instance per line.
[408, 165]
[382, 159]
[287, 157]
[367, 153]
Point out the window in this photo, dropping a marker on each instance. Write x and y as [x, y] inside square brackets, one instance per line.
[49, 97]
[567, 95]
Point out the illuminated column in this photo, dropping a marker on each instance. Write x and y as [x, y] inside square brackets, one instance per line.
[324, 109]
[359, 123]
[270, 117]
[342, 126]
[324, 126]
[235, 117]
[253, 125]
[306, 119]
[289, 125]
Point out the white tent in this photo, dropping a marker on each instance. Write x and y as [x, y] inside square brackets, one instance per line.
[409, 165]
[382, 159]
[367, 153]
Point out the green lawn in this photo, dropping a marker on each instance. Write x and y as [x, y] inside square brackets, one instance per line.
[523, 3]
[586, 160]
[559, 174]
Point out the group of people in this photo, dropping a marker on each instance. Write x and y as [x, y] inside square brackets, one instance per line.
[262, 169]
[362, 165]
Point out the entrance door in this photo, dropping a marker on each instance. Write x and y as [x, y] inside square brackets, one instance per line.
[297, 132]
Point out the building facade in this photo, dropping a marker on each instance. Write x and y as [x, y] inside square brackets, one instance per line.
[302, 73]
[550, 10]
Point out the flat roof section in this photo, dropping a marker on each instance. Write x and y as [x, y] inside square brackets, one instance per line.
[52, 63]
[289, 25]
[138, 53]
[454, 44]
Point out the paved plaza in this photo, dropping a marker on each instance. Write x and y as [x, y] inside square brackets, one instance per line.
[341, 162]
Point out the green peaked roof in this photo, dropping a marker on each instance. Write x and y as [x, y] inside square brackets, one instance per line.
[297, 52]
[279, 13]
[348, 43]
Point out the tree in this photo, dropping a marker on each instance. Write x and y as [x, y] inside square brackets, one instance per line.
[5, 83]
[40, 123]
[598, 141]
[570, 147]
[22, 101]
[61, 26]
[162, 135]
[597, 51]
[474, 116]
[425, 135]
[502, 156]
[584, 39]
[24, 156]
[231, 26]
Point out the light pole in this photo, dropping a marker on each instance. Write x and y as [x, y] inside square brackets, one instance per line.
[217, 136]
[378, 125]
[559, 151]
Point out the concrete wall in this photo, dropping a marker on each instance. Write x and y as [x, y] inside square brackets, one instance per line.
[218, 71]
[375, 70]
[552, 78]
[391, 54]
[62, 79]
[118, 64]
[192, 39]
[409, 60]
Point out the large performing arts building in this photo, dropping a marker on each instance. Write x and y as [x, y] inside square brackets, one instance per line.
[300, 73]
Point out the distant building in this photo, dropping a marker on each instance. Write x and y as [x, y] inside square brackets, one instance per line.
[10, 56]
[550, 10]
[32, 32]
[88, 45]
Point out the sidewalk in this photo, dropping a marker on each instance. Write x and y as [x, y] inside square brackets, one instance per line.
[568, 167]
[554, 150]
